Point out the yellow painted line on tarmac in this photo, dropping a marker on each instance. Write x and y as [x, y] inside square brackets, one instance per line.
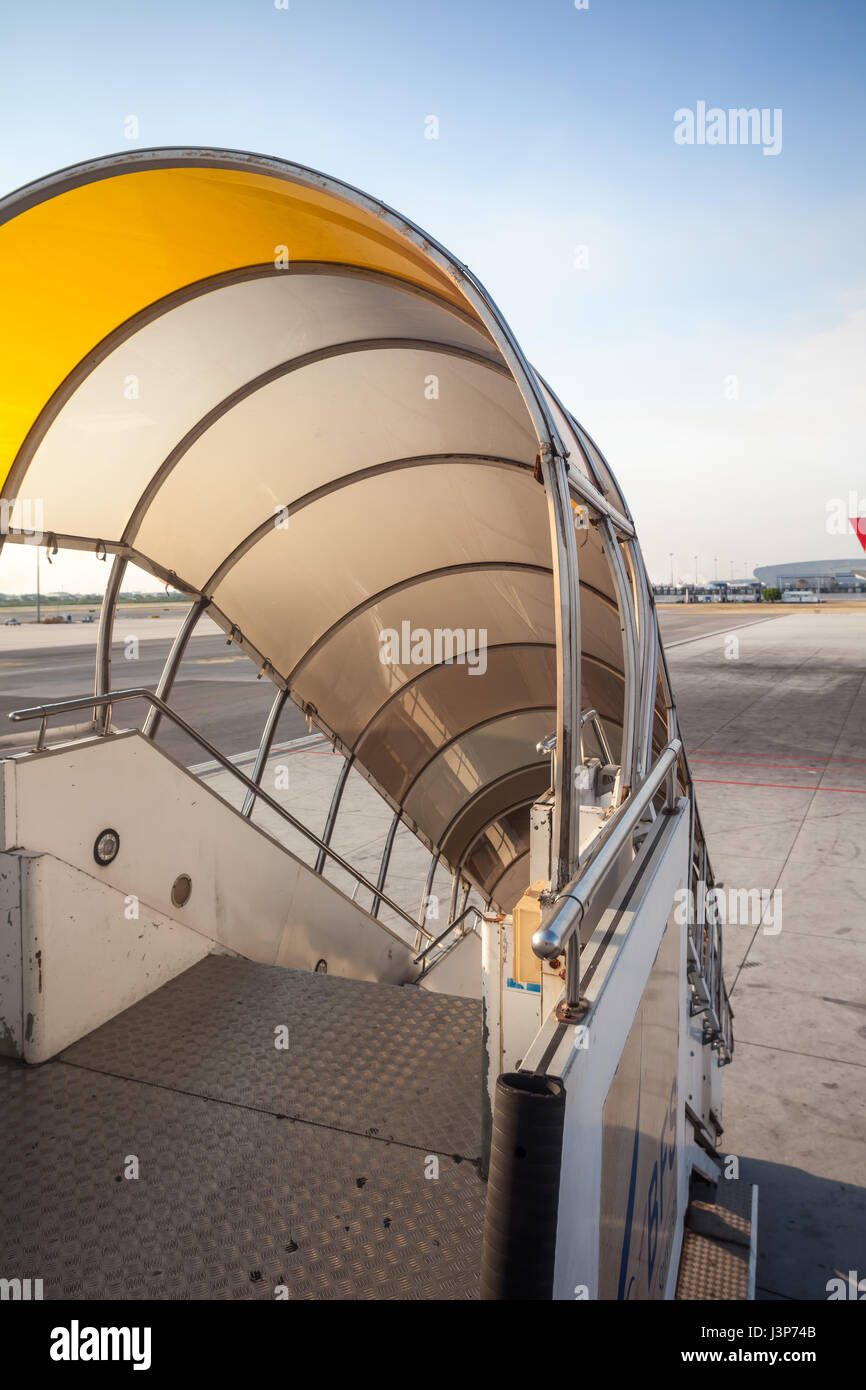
[215, 660]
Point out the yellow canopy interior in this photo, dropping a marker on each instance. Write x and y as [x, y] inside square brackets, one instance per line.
[197, 346]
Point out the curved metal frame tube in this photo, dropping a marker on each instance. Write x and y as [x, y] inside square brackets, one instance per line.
[275, 373]
[648, 639]
[466, 733]
[386, 859]
[481, 791]
[347, 480]
[566, 811]
[653, 636]
[500, 876]
[102, 678]
[172, 662]
[334, 808]
[175, 299]
[630, 654]
[267, 739]
[455, 890]
[425, 898]
[435, 667]
[638, 588]
[411, 582]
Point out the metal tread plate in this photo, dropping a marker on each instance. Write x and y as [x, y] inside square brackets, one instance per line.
[716, 1251]
[391, 1061]
[228, 1204]
[234, 1198]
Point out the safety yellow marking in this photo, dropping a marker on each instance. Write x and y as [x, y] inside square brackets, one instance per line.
[214, 660]
[130, 239]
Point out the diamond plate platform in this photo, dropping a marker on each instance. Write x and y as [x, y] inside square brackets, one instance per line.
[386, 1060]
[259, 1170]
[716, 1243]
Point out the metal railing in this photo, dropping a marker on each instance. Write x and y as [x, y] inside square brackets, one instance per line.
[95, 702]
[559, 932]
[591, 717]
[436, 941]
[709, 994]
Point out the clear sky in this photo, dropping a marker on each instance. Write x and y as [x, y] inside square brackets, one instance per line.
[703, 263]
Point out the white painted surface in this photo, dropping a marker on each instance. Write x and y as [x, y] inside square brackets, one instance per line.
[459, 971]
[11, 1023]
[512, 1012]
[82, 957]
[588, 1070]
[249, 895]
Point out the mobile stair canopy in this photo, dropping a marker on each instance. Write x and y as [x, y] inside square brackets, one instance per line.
[281, 398]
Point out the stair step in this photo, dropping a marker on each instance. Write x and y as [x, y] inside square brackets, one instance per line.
[718, 1254]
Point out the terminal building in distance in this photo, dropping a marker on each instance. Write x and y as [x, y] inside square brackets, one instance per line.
[823, 576]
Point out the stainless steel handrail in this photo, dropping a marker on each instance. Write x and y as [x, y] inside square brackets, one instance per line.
[548, 743]
[44, 712]
[571, 905]
[591, 716]
[442, 935]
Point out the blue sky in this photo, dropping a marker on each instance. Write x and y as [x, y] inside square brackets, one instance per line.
[555, 131]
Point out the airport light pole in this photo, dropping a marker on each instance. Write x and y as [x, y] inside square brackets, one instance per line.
[671, 553]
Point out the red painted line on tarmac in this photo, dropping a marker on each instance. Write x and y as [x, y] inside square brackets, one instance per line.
[789, 767]
[781, 786]
[819, 757]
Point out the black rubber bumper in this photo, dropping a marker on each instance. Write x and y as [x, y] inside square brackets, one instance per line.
[519, 1245]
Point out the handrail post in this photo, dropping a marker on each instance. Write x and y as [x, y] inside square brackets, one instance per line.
[422, 911]
[386, 859]
[455, 889]
[333, 809]
[173, 660]
[671, 789]
[102, 680]
[264, 748]
[569, 1010]
[566, 808]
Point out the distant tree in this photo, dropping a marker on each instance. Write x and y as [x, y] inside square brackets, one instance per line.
[771, 595]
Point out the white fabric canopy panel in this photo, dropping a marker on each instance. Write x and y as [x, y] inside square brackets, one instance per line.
[171, 369]
[323, 446]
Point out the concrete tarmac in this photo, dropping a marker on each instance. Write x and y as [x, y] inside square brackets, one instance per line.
[775, 728]
[217, 690]
[772, 706]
